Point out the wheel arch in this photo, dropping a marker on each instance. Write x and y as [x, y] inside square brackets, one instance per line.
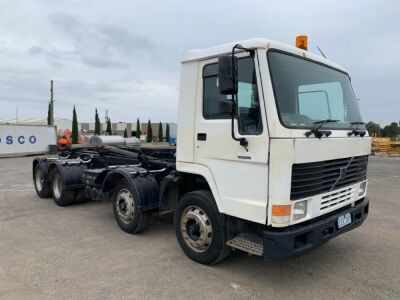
[71, 175]
[43, 166]
[145, 186]
[111, 179]
[192, 173]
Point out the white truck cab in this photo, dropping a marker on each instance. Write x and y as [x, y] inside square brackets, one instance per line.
[296, 159]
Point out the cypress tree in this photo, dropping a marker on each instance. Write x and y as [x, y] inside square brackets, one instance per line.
[74, 134]
[125, 133]
[109, 129]
[167, 133]
[49, 115]
[160, 133]
[138, 132]
[149, 136]
[96, 124]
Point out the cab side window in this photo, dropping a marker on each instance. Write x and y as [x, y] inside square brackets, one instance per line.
[218, 106]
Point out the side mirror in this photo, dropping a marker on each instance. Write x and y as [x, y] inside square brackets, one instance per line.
[227, 75]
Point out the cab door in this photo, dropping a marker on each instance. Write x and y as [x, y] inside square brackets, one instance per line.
[240, 174]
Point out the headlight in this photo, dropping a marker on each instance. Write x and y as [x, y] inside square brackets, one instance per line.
[299, 210]
[363, 188]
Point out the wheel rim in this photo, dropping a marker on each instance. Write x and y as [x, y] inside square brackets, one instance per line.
[39, 179]
[196, 229]
[57, 185]
[125, 206]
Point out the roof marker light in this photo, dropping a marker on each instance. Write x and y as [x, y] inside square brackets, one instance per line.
[301, 42]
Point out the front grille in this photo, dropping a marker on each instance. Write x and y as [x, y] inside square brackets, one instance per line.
[315, 178]
[337, 197]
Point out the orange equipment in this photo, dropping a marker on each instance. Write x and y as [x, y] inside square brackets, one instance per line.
[65, 138]
[301, 42]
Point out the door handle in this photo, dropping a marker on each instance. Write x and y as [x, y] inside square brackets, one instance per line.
[202, 136]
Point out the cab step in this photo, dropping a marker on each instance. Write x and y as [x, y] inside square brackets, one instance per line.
[249, 243]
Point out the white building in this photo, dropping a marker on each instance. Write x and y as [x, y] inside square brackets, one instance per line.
[61, 124]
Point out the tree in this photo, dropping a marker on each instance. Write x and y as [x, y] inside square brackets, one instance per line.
[160, 132]
[109, 130]
[167, 133]
[49, 115]
[149, 136]
[96, 124]
[138, 132]
[125, 133]
[74, 134]
[373, 128]
[391, 130]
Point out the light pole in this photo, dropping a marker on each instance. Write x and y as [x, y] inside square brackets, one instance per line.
[51, 103]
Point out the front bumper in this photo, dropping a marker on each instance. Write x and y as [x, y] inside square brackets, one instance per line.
[300, 239]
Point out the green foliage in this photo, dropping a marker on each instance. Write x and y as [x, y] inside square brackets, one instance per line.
[96, 124]
[149, 136]
[160, 132]
[49, 115]
[373, 128]
[75, 133]
[109, 129]
[125, 133]
[167, 133]
[392, 130]
[138, 132]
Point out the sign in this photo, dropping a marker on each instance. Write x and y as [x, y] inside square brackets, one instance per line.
[26, 139]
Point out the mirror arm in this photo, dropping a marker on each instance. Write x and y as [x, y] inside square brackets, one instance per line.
[243, 141]
[238, 46]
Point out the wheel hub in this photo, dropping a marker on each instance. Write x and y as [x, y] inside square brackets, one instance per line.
[57, 185]
[196, 228]
[39, 180]
[125, 206]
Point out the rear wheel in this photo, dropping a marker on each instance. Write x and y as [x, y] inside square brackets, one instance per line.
[127, 213]
[41, 186]
[200, 228]
[60, 196]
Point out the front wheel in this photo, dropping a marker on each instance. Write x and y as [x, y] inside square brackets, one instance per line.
[127, 213]
[200, 228]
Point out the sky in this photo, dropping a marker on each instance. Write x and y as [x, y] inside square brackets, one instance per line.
[124, 55]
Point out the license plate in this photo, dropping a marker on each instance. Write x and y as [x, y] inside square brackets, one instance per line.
[344, 220]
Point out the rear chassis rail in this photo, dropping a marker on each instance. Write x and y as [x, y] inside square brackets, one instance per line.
[94, 171]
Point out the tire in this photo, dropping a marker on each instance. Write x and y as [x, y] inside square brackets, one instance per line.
[200, 228]
[41, 186]
[60, 196]
[129, 216]
[80, 197]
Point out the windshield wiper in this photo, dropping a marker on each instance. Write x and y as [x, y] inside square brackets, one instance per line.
[357, 131]
[318, 125]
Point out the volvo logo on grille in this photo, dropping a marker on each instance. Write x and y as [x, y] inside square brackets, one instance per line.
[342, 173]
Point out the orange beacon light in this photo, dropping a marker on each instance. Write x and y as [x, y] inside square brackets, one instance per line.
[301, 42]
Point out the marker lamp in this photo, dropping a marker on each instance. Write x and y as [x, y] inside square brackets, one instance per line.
[299, 210]
[280, 214]
[301, 42]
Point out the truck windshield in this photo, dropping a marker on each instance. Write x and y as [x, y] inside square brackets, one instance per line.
[307, 92]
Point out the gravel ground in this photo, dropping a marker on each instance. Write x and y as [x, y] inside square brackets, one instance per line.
[79, 252]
